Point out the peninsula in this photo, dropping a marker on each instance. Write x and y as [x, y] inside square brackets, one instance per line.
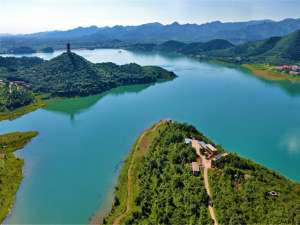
[176, 175]
[11, 168]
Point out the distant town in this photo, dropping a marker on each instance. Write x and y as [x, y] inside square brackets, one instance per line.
[290, 69]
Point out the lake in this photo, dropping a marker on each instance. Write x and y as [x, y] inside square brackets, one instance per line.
[72, 166]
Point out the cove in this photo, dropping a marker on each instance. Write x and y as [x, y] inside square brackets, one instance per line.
[72, 166]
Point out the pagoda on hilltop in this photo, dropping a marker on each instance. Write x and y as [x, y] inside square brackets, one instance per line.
[68, 48]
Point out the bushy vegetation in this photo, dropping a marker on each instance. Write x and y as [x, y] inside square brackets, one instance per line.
[164, 189]
[22, 50]
[67, 75]
[71, 75]
[11, 168]
[241, 194]
[10, 64]
[14, 96]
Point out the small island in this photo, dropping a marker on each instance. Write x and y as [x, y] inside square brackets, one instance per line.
[176, 175]
[47, 50]
[28, 80]
[11, 168]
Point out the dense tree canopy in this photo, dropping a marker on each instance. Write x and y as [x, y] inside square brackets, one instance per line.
[72, 75]
[164, 190]
[14, 96]
[242, 194]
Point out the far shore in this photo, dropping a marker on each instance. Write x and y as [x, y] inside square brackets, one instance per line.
[262, 71]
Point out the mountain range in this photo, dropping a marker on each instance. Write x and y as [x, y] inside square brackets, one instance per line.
[273, 50]
[93, 36]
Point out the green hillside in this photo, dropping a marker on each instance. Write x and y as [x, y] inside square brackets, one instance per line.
[71, 75]
[10, 64]
[11, 168]
[193, 48]
[162, 187]
[156, 185]
[14, 96]
[274, 50]
[242, 194]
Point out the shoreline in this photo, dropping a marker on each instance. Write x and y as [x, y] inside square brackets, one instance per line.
[117, 212]
[19, 112]
[236, 172]
[14, 166]
[268, 74]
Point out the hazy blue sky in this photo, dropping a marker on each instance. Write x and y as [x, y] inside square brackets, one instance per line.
[25, 16]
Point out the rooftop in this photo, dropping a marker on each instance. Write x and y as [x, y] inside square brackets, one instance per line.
[195, 167]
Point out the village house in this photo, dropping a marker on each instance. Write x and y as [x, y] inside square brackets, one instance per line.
[217, 158]
[188, 141]
[209, 151]
[291, 69]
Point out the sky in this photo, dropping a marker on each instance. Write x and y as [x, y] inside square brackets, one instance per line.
[28, 16]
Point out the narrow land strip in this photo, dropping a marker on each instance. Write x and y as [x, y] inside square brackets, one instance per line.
[141, 145]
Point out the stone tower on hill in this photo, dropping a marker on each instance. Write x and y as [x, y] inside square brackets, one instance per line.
[68, 47]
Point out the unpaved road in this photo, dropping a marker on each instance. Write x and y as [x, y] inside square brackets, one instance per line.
[129, 174]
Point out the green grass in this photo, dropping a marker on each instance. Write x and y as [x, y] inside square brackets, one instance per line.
[11, 168]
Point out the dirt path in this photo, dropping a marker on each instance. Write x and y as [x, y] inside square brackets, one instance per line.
[206, 164]
[210, 207]
[143, 142]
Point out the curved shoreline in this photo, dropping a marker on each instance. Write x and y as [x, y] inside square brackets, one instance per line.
[269, 74]
[13, 168]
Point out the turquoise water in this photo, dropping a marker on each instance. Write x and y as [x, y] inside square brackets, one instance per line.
[71, 167]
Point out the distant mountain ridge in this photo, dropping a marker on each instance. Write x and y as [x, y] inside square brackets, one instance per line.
[235, 32]
[273, 50]
[184, 48]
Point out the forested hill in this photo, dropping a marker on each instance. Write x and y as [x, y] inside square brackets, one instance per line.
[13, 96]
[274, 50]
[71, 75]
[162, 188]
[184, 48]
[13, 63]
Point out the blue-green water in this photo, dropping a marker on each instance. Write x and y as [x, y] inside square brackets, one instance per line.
[71, 167]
